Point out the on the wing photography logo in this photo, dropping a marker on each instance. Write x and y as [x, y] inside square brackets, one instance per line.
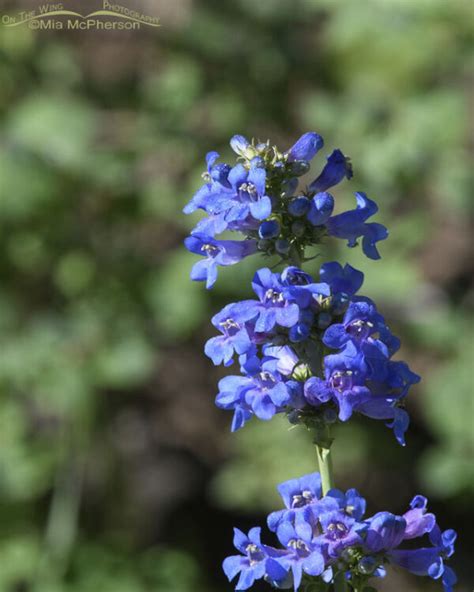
[110, 15]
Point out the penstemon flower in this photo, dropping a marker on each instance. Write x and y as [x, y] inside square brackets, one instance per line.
[312, 352]
[315, 350]
[328, 536]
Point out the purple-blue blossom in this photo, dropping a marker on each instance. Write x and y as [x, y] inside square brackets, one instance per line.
[262, 391]
[215, 252]
[337, 168]
[352, 225]
[324, 537]
[311, 348]
[254, 197]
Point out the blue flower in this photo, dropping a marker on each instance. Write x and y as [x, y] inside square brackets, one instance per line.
[321, 208]
[247, 196]
[215, 177]
[344, 383]
[322, 536]
[400, 378]
[235, 338]
[342, 280]
[339, 532]
[236, 200]
[239, 144]
[298, 495]
[287, 360]
[418, 520]
[294, 276]
[351, 502]
[216, 253]
[306, 147]
[337, 167]
[275, 307]
[361, 321]
[299, 206]
[352, 225]
[385, 531]
[381, 407]
[254, 563]
[303, 554]
[430, 561]
[262, 392]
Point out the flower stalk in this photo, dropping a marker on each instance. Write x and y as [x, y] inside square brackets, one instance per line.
[325, 468]
[316, 350]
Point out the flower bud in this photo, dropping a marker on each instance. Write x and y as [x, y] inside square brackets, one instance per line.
[269, 229]
[305, 147]
[299, 206]
[321, 208]
[298, 333]
[282, 246]
[299, 167]
[264, 245]
[239, 144]
[298, 228]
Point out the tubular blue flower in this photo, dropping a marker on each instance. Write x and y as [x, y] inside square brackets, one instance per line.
[303, 555]
[239, 144]
[231, 322]
[216, 253]
[385, 531]
[378, 407]
[321, 208]
[443, 540]
[297, 495]
[306, 147]
[400, 378]
[428, 561]
[215, 177]
[425, 562]
[337, 167]
[418, 520]
[352, 225]
[262, 392]
[351, 502]
[294, 276]
[211, 225]
[287, 360]
[274, 307]
[247, 194]
[339, 532]
[324, 536]
[361, 321]
[254, 563]
[342, 280]
[345, 376]
[311, 295]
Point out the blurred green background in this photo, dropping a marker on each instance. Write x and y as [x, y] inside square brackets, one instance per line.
[117, 473]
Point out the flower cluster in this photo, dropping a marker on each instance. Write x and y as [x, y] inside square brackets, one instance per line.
[259, 197]
[313, 350]
[327, 538]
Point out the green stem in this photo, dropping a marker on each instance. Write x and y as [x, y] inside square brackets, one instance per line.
[323, 442]
[325, 468]
[340, 584]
